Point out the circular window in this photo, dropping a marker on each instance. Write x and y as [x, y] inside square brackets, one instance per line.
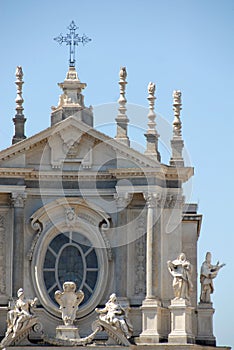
[70, 257]
[78, 255]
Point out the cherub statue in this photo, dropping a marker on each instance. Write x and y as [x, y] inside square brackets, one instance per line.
[69, 300]
[151, 88]
[18, 317]
[208, 273]
[181, 269]
[116, 316]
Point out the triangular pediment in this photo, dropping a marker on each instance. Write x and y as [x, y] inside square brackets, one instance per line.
[73, 145]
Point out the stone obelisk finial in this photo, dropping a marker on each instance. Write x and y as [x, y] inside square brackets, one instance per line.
[122, 119]
[177, 143]
[19, 119]
[152, 135]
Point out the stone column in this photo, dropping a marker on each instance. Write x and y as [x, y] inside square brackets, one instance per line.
[205, 336]
[18, 200]
[151, 306]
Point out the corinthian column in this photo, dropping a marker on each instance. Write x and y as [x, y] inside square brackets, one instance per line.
[151, 202]
[151, 306]
[18, 200]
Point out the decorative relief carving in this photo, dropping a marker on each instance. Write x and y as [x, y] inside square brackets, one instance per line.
[140, 258]
[103, 227]
[2, 255]
[71, 149]
[71, 217]
[36, 226]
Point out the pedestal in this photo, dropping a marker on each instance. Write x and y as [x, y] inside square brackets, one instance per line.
[181, 322]
[67, 332]
[151, 322]
[205, 314]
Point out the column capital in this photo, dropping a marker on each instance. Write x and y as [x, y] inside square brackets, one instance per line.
[174, 201]
[18, 199]
[122, 199]
[153, 200]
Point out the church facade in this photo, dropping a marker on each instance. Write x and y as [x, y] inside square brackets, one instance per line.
[79, 206]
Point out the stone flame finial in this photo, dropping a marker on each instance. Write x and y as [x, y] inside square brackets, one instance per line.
[19, 119]
[177, 143]
[19, 83]
[152, 135]
[177, 125]
[122, 119]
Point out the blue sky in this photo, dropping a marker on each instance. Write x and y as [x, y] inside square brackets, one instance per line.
[184, 44]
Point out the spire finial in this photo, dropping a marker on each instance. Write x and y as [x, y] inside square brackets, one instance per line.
[152, 135]
[177, 125]
[19, 119]
[177, 143]
[122, 119]
[72, 39]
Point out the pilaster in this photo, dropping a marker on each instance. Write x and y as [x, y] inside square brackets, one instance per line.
[121, 251]
[18, 202]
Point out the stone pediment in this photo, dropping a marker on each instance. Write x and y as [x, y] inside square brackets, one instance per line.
[73, 144]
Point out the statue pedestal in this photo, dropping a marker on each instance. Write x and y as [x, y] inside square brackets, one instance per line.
[67, 332]
[181, 322]
[205, 314]
[151, 322]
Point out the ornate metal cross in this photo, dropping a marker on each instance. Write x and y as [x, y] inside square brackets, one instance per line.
[72, 39]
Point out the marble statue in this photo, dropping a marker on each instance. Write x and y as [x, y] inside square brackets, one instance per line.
[116, 316]
[181, 269]
[208, 273]
[69, 300]
[20, 318]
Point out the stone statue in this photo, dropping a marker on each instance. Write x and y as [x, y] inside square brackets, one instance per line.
[208, 273]
[69, 300]
[20, 318]
[181, 269]
[151, 88]
[116, 316]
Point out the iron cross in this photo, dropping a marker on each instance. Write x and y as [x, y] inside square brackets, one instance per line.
[72, 39]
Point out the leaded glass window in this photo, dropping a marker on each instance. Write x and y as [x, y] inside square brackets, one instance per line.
[71, 257]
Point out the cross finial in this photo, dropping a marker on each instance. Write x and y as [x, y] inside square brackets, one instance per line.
[72, 39]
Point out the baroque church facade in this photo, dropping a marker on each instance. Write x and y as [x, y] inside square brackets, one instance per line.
[77, 205]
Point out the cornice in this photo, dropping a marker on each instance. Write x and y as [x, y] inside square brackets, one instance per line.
[164, 172]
